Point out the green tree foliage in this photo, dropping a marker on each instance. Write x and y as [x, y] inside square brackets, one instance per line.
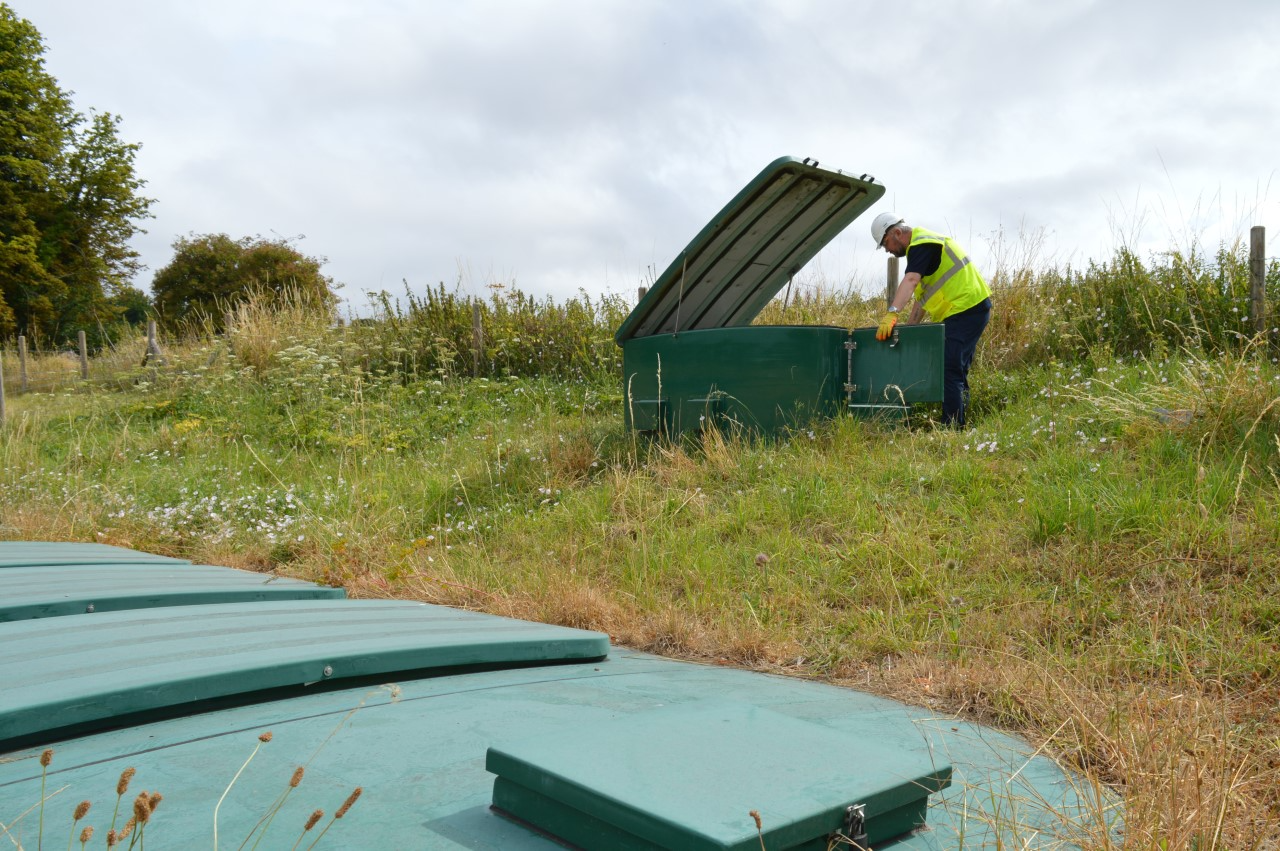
[134, 305]
[209, 273]
[69, 199]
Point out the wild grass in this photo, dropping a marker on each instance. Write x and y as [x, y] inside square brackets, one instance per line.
[1092, 564]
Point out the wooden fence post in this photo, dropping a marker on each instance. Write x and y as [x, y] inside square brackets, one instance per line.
[1258, 278]
[22, 362]
[84, 355]
[640, 295]
[891, 282]
[477, 338]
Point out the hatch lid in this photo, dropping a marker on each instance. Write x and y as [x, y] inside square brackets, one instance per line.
[68, 675]
[751, 248]
[689, 777]
[54, 553]
[72, 589]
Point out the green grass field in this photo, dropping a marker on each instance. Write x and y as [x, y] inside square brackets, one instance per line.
[1093, 564]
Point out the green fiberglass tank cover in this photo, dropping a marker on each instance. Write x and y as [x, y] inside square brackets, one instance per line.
[691, 776]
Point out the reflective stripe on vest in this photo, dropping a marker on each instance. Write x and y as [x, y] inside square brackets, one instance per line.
[957, 265]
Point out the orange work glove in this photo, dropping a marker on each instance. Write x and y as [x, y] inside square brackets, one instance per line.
[886, 326]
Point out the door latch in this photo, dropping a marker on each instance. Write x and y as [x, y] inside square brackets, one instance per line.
[855, 827]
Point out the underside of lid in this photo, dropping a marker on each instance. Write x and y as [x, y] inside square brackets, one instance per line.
[752, 247]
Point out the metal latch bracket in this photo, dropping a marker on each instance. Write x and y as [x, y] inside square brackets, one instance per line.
[855, 826]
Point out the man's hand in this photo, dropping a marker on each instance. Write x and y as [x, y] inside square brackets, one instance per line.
[886, 326]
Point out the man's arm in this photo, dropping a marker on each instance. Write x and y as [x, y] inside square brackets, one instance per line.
[905, 290]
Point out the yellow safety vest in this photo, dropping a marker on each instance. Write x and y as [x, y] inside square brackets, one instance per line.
[956, 284]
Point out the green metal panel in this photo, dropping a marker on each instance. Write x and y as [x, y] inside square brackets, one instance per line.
[75, 673]
[688, 777]
[768, 378]
[52, 554]
[764, 378]
[753, 246]
[905, 369]
[39, 592]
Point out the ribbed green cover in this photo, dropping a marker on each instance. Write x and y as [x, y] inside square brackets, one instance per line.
[53, 554]
[78, 672]
[38, 592]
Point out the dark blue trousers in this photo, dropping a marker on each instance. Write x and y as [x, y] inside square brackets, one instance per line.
[963, 330]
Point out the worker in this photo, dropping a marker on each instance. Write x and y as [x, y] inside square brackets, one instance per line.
[948, 287]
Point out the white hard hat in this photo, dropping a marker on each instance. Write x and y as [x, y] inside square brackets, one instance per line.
[881, 226]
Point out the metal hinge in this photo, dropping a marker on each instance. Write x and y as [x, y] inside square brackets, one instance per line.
[855, 827]
[851, 345]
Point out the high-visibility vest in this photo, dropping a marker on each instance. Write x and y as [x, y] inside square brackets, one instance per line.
[955, 285]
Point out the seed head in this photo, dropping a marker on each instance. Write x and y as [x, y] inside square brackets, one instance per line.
[297, 777]
[265, 737]
[122, 785]
[142, 807]
[755, 814]
[346, 805]
[311, 822]
[156, 798]
[128, 829]
[46, 757]
[82, 810]
[86, 835]
[112, 839]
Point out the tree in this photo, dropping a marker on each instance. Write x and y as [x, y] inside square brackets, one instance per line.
[209, 273]
[69, 198]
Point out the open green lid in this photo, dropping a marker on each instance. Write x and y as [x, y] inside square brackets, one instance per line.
[690, 776]
[752, 247]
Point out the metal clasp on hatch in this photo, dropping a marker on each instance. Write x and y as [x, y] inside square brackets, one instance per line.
[893, 341]
[850, 346]
[855, 827]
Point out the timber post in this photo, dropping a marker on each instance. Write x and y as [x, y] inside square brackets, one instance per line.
[1258, 278]
[22, 362]
[477, 338]
[84, 355]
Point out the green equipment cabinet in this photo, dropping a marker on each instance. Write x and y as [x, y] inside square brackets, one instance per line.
[691, 356]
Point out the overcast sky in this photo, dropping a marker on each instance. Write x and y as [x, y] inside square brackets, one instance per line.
[568, 146]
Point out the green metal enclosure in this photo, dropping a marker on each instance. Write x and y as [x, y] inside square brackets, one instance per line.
[691, 356]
